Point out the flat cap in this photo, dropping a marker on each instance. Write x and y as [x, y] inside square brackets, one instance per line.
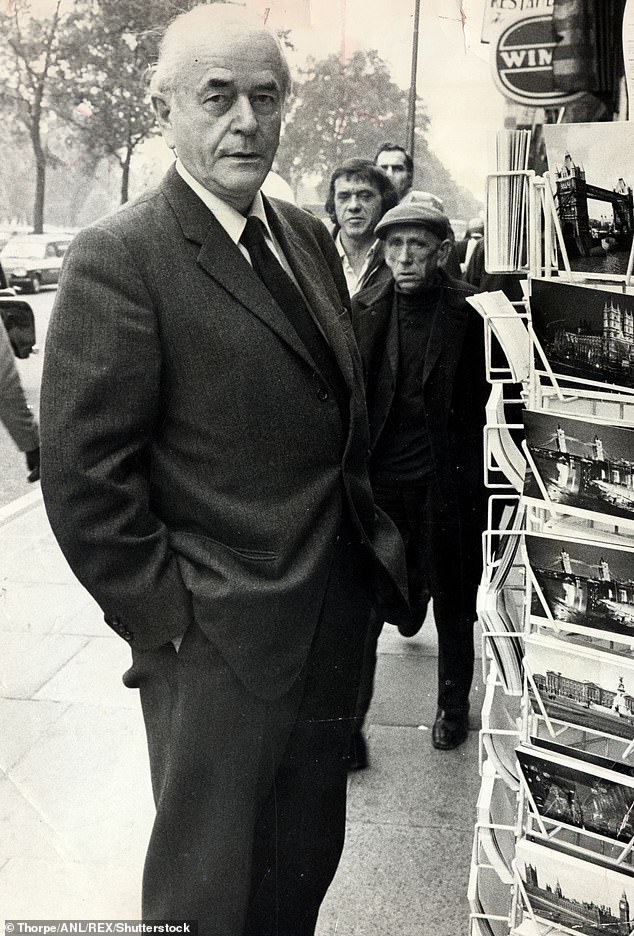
[413, 213]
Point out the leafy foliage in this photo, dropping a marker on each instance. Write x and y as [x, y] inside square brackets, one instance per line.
[341, 109]
[30, 53]
[100, 86]
[350, 108]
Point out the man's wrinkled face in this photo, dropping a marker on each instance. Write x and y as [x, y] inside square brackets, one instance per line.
[394, 165]
[224, 113]
[358, 206]
[413, 254]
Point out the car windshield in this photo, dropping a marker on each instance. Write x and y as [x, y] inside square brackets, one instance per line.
[25, 249]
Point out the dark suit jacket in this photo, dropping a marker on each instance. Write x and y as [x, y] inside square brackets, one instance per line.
[193, 467]
[455, 386]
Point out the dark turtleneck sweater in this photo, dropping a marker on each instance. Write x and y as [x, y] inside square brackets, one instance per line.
[403, 453]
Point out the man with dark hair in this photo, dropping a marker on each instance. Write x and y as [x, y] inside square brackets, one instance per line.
[205, 471]
[398, 166]
[359, 194]
[422, 347]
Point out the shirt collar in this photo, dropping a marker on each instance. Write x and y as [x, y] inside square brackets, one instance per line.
[372, 249]
[228, 217]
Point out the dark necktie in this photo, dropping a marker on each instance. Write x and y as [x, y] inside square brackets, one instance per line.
[291, 302]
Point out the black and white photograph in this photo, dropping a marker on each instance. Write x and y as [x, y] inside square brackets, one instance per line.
[568, 792]
[580, 685]
[189, 201]
[242, 476]
[585, 333]
[580, 466]
[591, 169]
[580, 896]
[587, 586]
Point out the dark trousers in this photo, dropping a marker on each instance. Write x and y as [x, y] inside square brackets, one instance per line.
[443, 553]
[251, 794]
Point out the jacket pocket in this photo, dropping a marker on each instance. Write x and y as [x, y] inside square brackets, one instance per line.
[197, 547]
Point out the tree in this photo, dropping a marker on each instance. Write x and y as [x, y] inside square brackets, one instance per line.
[31, 52]
[341, 109]
[102, 87]
[431, 175]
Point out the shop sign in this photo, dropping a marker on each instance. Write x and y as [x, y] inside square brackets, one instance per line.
[523, 63]
[500, 13]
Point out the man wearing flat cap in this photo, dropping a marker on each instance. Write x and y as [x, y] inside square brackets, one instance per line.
[422, 347]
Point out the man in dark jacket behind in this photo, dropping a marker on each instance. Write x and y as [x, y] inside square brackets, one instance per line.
[423, 354]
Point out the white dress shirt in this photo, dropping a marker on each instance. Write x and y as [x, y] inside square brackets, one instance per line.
[232, 220]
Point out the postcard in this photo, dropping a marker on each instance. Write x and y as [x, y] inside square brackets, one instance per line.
[580, 896]
[580, 685]
[588, 757]
[585, 333]
[588, 587]
[580, 466]
[567, 791]
[591, 170]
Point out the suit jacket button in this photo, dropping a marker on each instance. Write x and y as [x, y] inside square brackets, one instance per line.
[322, 394]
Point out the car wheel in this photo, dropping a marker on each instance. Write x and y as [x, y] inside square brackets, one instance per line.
[36, 283]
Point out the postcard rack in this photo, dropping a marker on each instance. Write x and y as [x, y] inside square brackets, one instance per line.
[553, 848]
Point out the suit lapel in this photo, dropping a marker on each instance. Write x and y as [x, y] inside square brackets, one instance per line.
[310, 277]
[446, 334]
[221, 259]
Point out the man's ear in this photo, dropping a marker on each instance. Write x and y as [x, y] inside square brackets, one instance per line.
[163, 110]
[443, 251]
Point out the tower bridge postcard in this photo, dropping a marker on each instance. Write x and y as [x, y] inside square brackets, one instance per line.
[585, 583]
[591, 169]
[582, 465]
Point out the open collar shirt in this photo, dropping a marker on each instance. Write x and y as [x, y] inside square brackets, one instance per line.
[356, 283]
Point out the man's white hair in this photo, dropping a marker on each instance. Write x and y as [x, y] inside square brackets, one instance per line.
[187, 28]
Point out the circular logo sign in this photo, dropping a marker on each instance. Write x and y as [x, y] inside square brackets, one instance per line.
[524, 63]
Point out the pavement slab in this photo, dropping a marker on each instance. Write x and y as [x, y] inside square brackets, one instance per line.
[410, 783]
[397, 879]
[95, 788]
[29, 660]
[22, 723]
[93, 675]
[44, 889]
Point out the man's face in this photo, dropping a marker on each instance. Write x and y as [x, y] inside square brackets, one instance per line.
[413, 254]
[394, 165]
[224, 113]
[358, 207]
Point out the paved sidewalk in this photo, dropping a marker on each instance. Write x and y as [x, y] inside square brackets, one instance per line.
[75, 799]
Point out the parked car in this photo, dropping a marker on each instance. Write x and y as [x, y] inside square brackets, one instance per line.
[18, 319]
[31, 261]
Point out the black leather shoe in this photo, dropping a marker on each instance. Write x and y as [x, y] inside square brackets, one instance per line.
[450, 729]
[358, 757]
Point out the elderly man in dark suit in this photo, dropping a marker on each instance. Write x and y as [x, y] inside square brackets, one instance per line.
[423, 352]
[204, 469]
